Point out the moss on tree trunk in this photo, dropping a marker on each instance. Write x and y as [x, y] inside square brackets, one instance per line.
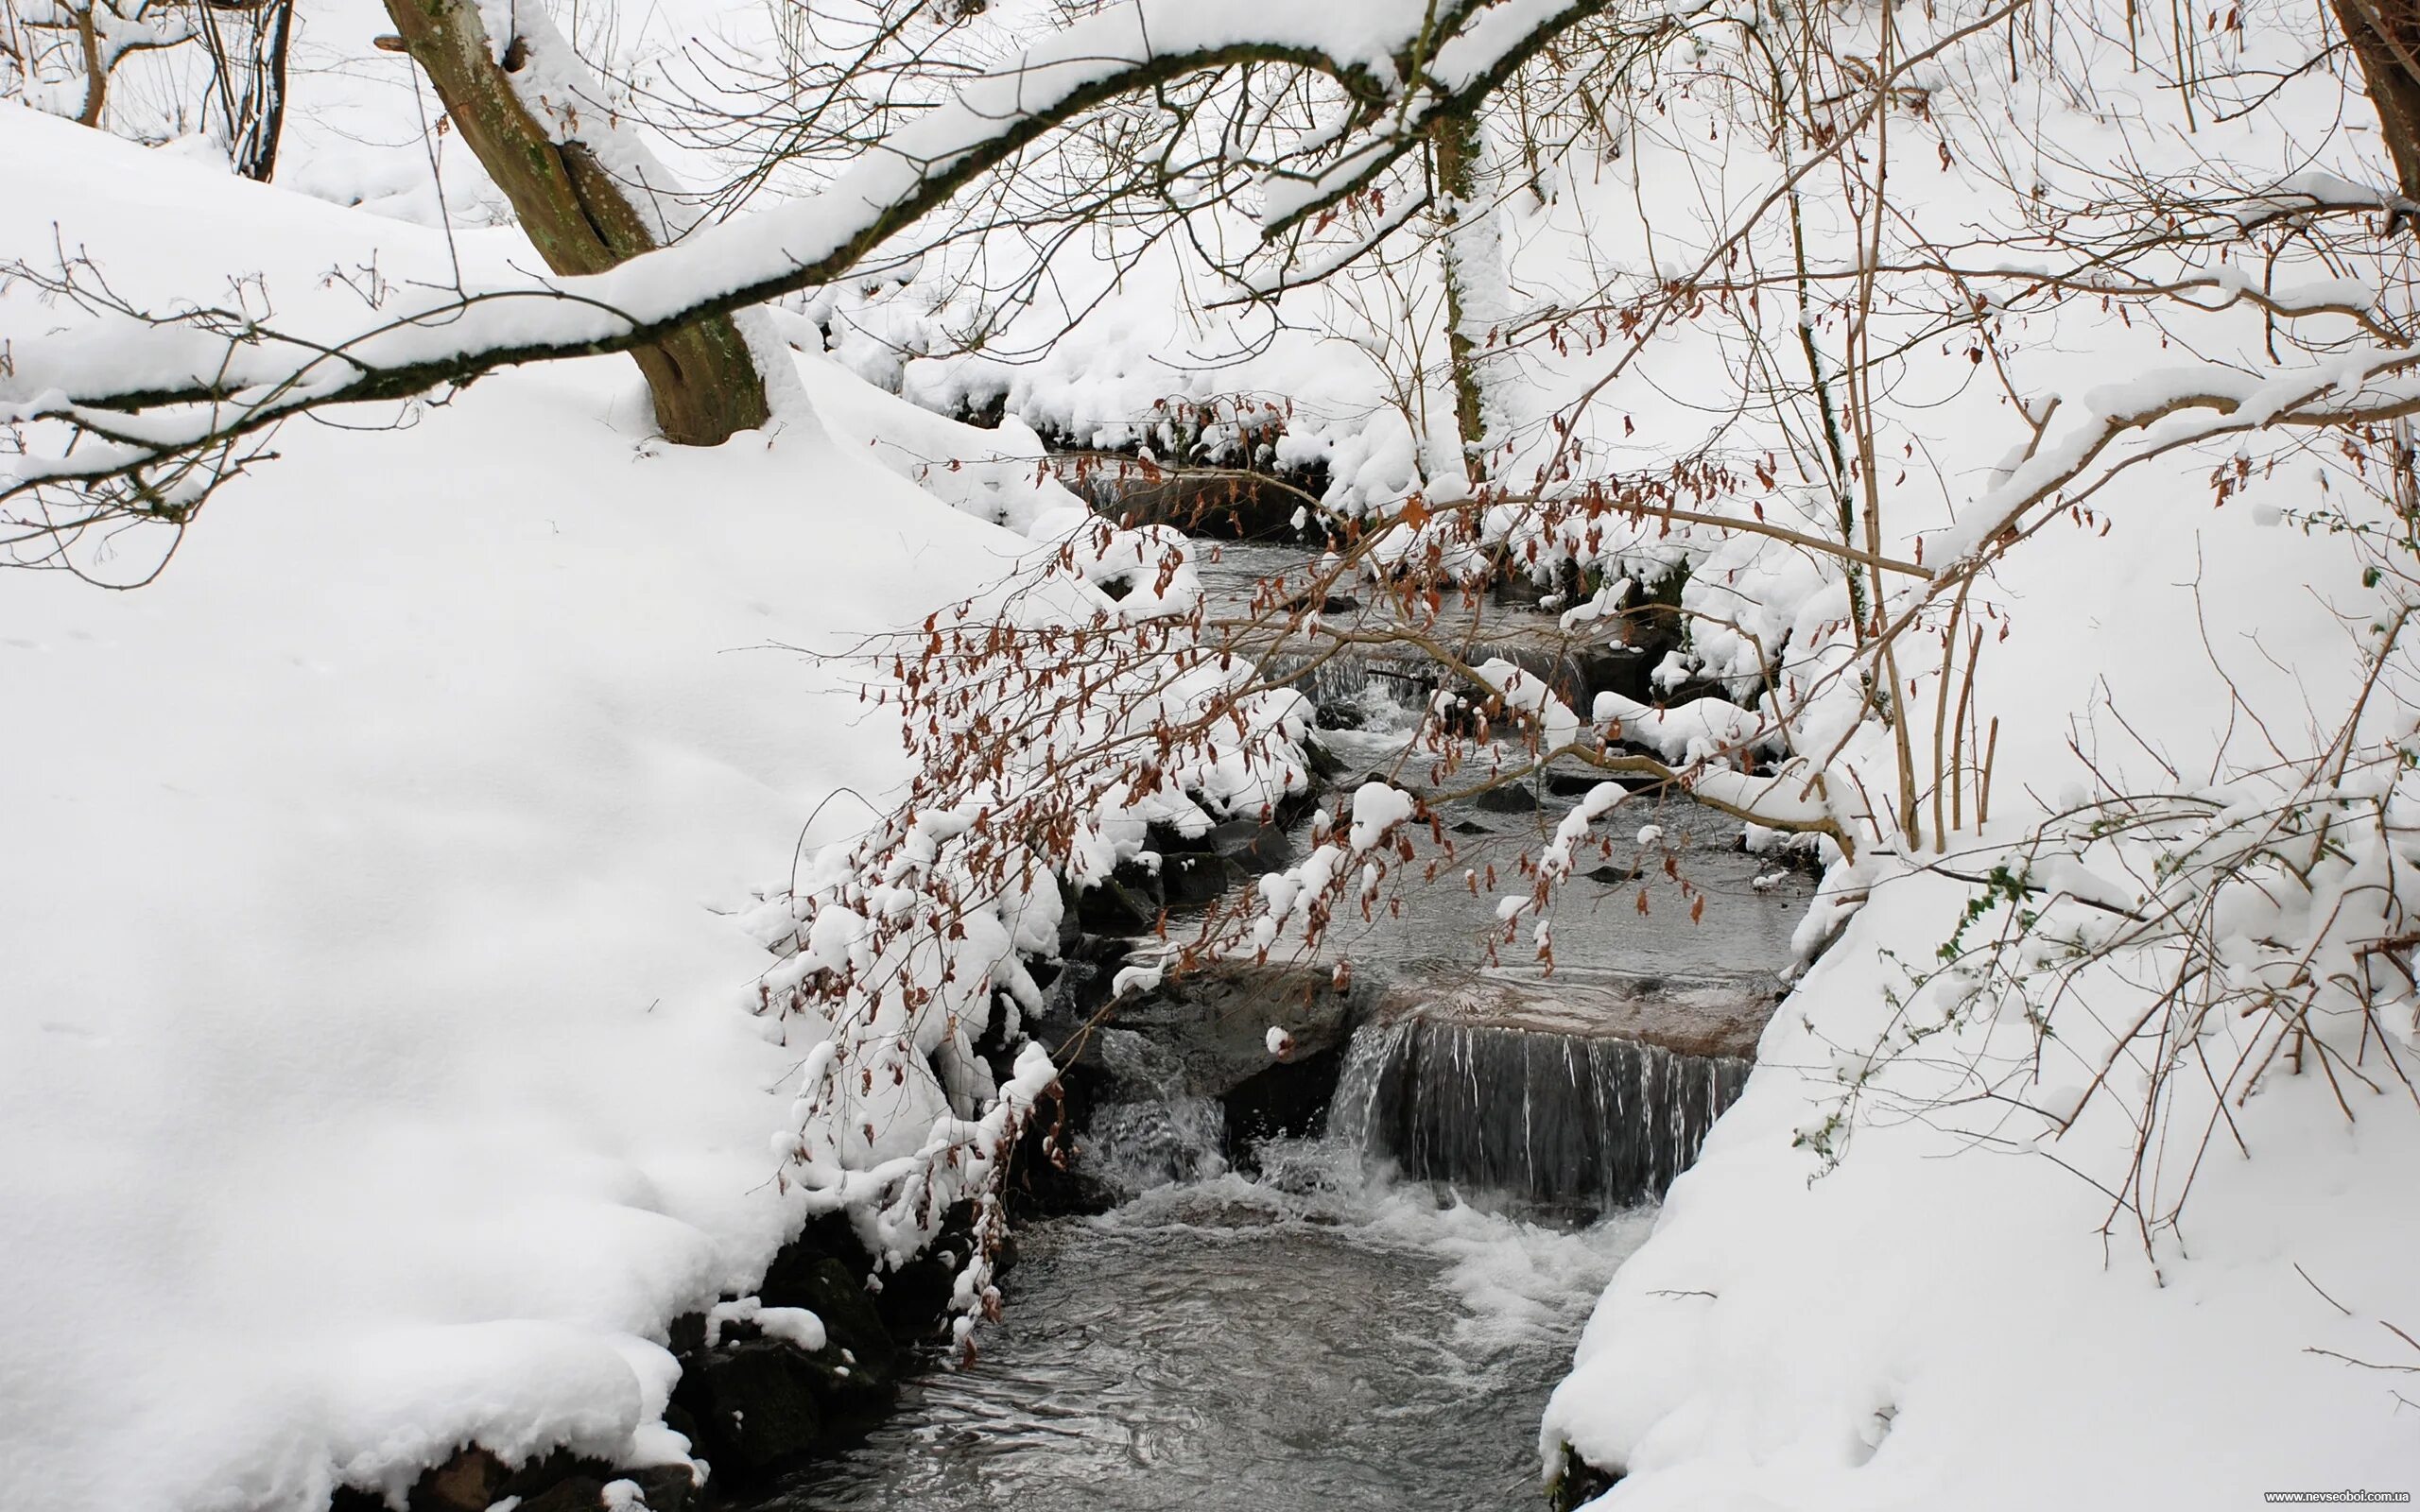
[1454, 139]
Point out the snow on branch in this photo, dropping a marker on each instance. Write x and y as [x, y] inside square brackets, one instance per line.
[1056, 726]
[2208, 402]
[124, 389]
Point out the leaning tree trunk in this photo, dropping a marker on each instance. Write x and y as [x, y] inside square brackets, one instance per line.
[2385, 35]
[581, 218]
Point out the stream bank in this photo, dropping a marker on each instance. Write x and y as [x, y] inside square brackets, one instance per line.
[1347, 1273]
[1344, 1274]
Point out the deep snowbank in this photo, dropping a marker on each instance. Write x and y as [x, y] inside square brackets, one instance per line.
[373, 1020]
[1934, 1326]
[1938, 1322]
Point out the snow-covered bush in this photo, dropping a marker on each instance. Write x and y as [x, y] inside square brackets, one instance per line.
[1052, 726]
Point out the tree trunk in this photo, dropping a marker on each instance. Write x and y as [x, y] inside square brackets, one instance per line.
[703, 378]
[1454, 139]
[96, 68]
[272, 42]
[249, 42]
[2385, 35]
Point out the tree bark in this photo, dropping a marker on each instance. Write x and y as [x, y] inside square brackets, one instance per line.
[249, 42]
[1454, 139]
[272, 42]
[2385, 35]
[704, 381]
[96, 68]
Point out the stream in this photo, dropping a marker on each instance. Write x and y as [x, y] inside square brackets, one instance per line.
[1309, 1341]
[1372, 1314]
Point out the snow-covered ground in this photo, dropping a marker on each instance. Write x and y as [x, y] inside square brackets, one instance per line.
[1939, 1321]
[377, 1059]
[374, 1008]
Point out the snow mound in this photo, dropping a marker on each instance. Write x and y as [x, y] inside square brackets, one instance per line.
[374, 1022]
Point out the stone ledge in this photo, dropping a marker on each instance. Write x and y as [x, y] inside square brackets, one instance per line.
[1710, 1015]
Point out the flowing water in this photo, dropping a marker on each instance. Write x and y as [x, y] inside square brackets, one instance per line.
[1342, 1328]
[1585, 1124]
[1621, 911]
[1309, 1341]
[1665, 891]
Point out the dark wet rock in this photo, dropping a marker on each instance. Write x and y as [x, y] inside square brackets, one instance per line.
[1324, 764]
[666, 1488]
[1184, 872]
[983, 410]
[1613, 876]
[1469, 827]
[1046, 1179]
[1128, 902]
[1168, 840]
[754, 1404]
[1289, 1097]
[853, 1325]
[1197, 879]
[1209, 1027]
[1628, 670]
[470, 1482]
[1078, 984]
[574, 1493]
[1513, 798]
[1325, 604]
[1580, 781]
[1578, 1484]
[1516, 590]
[914, 1298]
[1223, 506]
[1256, 844]
[474, 1479]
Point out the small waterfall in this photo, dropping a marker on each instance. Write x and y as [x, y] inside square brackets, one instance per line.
[1353, 688]
[1589, 1121]
[1159, 1133]
[1359, 683]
